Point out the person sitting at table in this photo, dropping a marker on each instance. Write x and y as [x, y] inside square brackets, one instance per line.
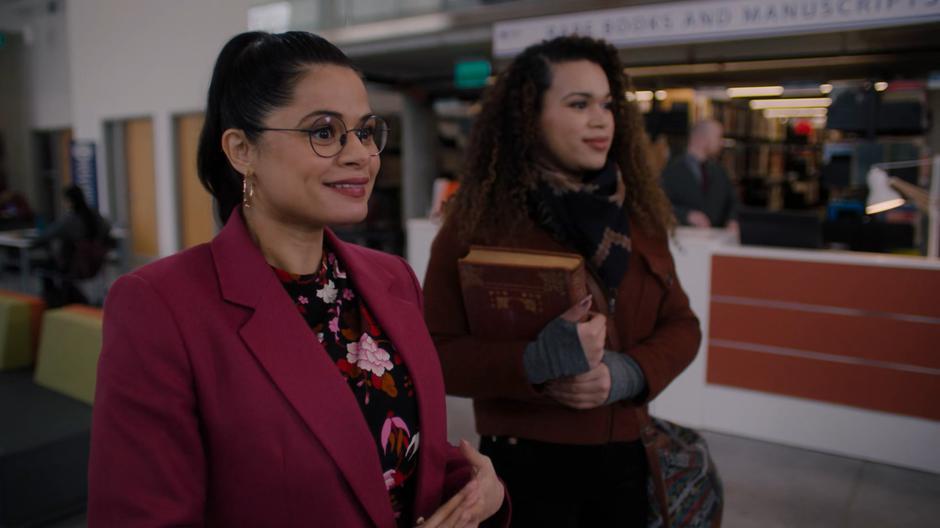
[78, 244]
[15, 212]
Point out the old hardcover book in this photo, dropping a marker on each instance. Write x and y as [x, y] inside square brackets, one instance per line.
[513, 294]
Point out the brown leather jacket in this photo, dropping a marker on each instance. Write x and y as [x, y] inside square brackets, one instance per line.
[652, 323]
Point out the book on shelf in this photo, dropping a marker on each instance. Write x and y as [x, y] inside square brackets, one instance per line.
[514, 293]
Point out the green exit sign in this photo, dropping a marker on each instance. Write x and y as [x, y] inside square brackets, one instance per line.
[3, 40]
[472, 73]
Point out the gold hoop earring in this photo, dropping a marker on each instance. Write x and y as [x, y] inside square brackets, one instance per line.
[248, 191]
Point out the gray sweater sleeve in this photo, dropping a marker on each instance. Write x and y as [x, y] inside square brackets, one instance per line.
[555, 353]
[626, 378]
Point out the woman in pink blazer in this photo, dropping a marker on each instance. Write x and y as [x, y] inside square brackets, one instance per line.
[278, 376]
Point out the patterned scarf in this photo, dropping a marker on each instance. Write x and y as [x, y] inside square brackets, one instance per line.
[586, 213]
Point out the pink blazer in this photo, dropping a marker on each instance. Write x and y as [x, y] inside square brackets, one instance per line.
[216, 406]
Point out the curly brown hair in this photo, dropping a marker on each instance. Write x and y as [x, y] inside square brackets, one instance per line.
[499, 170]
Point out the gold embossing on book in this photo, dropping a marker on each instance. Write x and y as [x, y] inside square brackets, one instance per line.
[512, 293]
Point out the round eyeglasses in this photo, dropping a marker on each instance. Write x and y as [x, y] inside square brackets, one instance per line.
[328, 135]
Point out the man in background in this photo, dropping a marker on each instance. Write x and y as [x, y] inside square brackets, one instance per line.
[700, 190]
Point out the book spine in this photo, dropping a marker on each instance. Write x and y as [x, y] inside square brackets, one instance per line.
[577, 284]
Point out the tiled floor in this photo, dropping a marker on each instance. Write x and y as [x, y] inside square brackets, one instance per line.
[772, 486]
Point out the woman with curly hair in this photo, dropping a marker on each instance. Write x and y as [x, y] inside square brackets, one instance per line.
[557, 162]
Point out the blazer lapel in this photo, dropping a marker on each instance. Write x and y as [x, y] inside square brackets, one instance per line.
[299, 366]
[403, 322]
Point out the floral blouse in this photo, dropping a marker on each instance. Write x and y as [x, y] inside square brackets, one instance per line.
[372, 367]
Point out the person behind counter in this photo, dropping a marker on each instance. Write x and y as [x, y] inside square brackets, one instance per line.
[700, 190]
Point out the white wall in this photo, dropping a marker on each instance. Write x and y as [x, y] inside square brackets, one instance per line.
[39, 76]
[47, 66]
[41, 24]
[141, 58]
[13, 121]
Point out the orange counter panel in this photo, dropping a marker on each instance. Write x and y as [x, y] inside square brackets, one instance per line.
[865, 336]
[872, 288]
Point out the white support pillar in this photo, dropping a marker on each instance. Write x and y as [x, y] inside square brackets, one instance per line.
[164, 160]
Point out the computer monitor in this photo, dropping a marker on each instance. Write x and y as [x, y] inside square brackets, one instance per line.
[760, 227]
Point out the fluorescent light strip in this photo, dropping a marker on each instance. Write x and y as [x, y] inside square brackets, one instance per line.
[785, 113]
[756, 91]
[772, 65]
[801, 92]
[806, 102]
[387, 29]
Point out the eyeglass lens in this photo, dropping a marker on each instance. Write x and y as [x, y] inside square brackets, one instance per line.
[328, 135]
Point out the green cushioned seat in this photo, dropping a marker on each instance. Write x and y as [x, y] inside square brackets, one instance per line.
[16, 340]
[68, 351]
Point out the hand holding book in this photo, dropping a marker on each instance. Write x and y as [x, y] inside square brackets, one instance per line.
[542, 298]
[592, 330]
[584, 391]
[569, 345]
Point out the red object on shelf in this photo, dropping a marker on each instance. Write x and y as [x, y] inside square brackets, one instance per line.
[803, 128]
